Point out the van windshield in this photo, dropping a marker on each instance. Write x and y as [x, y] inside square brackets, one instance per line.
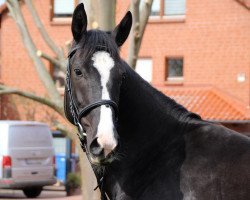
[29, 136]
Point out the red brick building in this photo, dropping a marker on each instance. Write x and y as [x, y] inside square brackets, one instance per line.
[197, 52]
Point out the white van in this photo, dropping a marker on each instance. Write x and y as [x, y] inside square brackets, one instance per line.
[26, 156]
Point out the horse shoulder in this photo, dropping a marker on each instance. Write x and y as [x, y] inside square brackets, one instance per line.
[216, 164]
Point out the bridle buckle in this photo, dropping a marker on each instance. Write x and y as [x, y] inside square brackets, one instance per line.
[81, 130]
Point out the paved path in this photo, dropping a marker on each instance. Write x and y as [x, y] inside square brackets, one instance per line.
[48, 195]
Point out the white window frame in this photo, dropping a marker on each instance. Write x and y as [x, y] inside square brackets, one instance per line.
[172, 17]
[144, 67]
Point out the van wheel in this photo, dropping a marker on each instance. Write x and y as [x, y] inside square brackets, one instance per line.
[32, 192]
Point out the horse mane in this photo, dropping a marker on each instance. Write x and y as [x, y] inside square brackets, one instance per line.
[170, 106]
[175, 109]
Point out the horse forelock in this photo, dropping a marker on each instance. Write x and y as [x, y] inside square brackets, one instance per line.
[96, 40]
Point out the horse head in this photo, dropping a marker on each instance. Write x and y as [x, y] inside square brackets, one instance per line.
[95, 78]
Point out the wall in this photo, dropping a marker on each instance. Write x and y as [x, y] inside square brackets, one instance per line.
[214, 40]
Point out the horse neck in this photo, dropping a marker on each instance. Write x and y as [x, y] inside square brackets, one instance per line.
[151, 131]
[147, 113]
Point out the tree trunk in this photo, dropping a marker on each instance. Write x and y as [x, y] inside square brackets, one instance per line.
[106, 14]
[140, 19]
[88, 178]
[101, 14]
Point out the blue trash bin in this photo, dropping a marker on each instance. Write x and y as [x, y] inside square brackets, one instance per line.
[61, 167]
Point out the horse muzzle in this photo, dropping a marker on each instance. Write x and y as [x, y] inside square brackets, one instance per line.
[103, 152]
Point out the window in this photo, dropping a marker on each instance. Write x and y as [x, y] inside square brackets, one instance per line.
[174, 69]
[63, 8]
[174, 7]
[60, 145]
[144, 68]
[168, 8]
[155, 10]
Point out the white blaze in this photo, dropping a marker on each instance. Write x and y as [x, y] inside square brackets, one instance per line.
[103, 62]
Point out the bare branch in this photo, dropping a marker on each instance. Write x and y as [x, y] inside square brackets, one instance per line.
[42, 100]
[54, 61]
[43, 32]
[135, 31]
[144, 16]
[68, 45]
[11, 11]
[43, 74]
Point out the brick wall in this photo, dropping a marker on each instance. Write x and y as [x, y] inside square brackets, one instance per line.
[18, 70]
[214, 40]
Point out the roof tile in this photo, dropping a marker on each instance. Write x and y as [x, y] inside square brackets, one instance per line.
[210, 103]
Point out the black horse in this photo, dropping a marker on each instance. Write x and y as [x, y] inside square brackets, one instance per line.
[151, 147]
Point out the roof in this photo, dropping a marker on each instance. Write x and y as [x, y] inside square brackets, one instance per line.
[210, 103]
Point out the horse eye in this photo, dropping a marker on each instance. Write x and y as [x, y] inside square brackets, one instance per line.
[78, 72]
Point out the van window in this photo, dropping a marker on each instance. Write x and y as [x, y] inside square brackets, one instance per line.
[60, 145]
[29, 136]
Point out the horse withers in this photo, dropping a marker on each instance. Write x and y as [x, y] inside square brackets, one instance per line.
[150, 147]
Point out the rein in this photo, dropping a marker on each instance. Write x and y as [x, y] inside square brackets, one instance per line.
[77, 114]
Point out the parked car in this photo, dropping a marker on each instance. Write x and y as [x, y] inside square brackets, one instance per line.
[26, 156]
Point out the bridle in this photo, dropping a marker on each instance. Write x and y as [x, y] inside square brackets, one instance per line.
[77, 114]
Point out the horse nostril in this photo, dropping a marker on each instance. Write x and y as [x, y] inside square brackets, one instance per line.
[95, 148]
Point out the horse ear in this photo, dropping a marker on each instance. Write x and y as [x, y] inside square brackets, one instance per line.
[67, 110]
[121, 32]
[79, 22]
